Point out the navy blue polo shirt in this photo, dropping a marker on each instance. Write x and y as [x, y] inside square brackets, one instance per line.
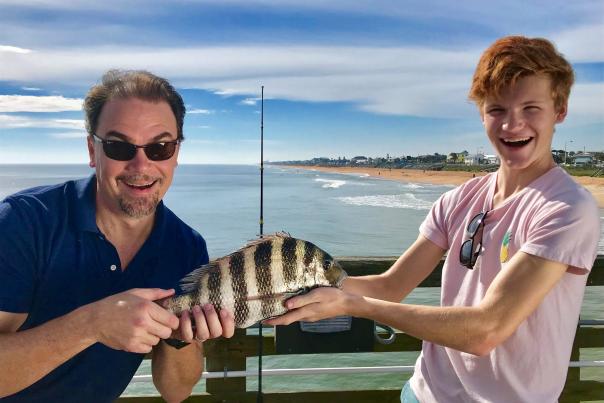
[54, 259]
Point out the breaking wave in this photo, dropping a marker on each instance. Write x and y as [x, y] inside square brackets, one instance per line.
[331, 183]
[405, 201]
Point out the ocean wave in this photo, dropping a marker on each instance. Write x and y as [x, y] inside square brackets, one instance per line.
[405, 201]
[331, 183]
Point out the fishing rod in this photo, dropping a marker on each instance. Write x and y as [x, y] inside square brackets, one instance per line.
[262, 162]
[259, 396]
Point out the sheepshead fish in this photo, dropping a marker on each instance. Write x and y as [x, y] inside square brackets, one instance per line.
[254, 281]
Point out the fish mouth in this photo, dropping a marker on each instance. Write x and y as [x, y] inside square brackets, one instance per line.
[516, 142]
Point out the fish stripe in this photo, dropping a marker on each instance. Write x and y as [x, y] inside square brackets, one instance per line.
[240, 293]
[309, 253]
[288, 255]
[214, 284]
[262, 261]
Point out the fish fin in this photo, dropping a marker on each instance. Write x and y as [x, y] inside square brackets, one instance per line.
[265, 238]
[188, 284]
[292, 294]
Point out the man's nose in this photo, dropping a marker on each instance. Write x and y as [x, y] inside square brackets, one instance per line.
[140, 159]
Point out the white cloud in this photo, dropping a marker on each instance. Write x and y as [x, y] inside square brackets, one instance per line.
[586, 104]
[30, 89]
[70, 135]
[380, 80]
[31, 103]
[13, 49]
[200, 111]
[402, 80]
[249, 101]
[582, 44]
[16, 122]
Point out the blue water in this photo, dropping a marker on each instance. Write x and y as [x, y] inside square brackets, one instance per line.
[345, 214]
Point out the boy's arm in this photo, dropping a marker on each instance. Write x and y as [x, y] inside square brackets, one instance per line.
[514, 294]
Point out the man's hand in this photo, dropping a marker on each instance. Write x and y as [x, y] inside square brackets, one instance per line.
[131, 321]
[208, 324]
[320, 303]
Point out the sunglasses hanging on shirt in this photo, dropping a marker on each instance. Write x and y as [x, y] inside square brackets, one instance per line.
[471, 248]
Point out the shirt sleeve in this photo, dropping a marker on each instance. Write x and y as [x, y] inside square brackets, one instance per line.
[203, 251]
[434, 226]
[17, 258]
[567, 233]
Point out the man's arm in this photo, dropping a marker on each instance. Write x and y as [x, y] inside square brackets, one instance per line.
[29, 355]
[175, 372]
[128, 321]
[514, 294]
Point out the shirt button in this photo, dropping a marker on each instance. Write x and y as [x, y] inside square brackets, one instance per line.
[112, 267]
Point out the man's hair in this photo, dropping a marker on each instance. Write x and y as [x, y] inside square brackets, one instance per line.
[125, 84]
[513, 57]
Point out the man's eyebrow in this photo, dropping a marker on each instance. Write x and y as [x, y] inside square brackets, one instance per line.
[124, 137]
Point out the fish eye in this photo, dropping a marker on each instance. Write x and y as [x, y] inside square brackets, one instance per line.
[327, 263]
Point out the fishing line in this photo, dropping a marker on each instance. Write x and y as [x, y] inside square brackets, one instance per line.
[259, 396]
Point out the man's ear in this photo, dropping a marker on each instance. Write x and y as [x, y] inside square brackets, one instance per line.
[91, 154]
[561, 113]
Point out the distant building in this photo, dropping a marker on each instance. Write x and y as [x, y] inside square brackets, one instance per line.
[359, 160]
[491, 159]
[474, 159]
[452, 158]
[583, 159]
[320, 160]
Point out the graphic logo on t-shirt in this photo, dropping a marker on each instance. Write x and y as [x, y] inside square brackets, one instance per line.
[503, 255]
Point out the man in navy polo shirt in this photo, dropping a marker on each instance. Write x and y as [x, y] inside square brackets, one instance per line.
[81, 263]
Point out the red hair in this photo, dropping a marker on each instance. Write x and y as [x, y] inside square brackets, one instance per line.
[513, 57]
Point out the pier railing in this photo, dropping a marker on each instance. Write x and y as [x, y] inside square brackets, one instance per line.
[226, 370]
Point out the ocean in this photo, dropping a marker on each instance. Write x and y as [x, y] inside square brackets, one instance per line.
[345, 214]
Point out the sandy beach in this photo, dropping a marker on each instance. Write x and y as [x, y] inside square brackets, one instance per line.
[594, 185]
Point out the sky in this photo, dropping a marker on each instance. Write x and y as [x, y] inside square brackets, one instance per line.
[341, 78]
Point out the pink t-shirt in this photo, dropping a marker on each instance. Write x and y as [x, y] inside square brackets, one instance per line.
[553, 218]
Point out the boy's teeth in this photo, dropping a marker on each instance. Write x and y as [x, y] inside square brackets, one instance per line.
[516, 140]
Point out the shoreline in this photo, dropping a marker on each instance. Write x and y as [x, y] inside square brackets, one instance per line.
[594, 185]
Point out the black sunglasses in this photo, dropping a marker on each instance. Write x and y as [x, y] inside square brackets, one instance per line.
[470, 249]
[123, 151]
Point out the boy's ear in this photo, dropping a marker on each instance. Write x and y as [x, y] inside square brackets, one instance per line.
[561, 114]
